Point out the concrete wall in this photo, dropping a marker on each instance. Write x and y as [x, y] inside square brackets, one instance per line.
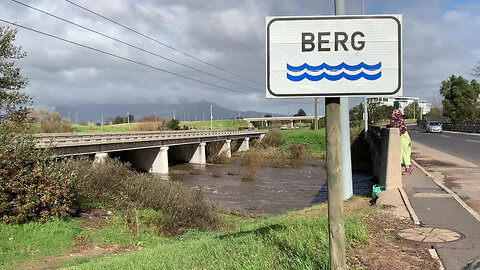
[386, 156]
[191, 153]
[146, 160]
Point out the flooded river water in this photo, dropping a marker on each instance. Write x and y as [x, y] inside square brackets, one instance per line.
[273, 191]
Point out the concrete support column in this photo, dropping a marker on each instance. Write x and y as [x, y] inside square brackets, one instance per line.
[199, 156]
[261, 137]
[291, 122]
[100, 157]
[245, 146]
[227, 148]
[160, 163]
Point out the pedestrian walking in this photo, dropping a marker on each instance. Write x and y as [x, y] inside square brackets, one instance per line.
[405, 142]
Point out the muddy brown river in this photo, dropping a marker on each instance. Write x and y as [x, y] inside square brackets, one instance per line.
[273, 191]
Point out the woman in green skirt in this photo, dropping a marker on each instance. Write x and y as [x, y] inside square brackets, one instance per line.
[405, 142]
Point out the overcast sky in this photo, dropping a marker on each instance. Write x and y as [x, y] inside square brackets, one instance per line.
[441, 38]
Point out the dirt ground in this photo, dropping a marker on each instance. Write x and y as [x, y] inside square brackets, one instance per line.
[385, 250]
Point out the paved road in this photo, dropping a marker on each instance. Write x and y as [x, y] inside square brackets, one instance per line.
[466, 146]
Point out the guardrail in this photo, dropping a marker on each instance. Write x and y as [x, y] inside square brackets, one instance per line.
[68, 139]
[470, 128]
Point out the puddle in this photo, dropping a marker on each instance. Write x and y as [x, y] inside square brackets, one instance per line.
[273, 191]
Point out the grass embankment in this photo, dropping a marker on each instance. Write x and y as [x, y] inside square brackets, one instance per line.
[296, 240]
[232, 124]
[34, 240]
[107, 128]
[314, 141]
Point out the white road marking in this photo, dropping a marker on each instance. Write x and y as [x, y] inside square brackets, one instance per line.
[446, 136]
[473, 141]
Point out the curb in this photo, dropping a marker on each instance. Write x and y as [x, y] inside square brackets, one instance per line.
[435, 256]
[407, 204]
[454, 195]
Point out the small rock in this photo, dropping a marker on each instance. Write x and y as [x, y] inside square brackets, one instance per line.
[109, 213]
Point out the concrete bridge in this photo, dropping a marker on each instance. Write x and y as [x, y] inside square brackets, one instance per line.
[268, 120]
[148, 151]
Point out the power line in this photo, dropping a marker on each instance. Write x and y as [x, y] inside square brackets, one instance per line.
[161, 43]
[133, 46]
[124, 58]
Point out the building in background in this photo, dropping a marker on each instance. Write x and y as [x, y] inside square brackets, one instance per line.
[402, 102]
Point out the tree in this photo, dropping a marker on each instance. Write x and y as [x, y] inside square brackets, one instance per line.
[267, 115]
[436, 114]
[396, 104]
[460, 99]
[412, 110]
[300, 112]
[356, 113]
[174, 124]
[476, 70]
[13, 103]
[131, 118]
[377, 113]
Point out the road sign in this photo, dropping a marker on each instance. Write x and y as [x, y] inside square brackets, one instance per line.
[334, 56]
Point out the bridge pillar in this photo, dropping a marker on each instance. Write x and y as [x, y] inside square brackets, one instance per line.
[291, 123]
[244, 146]
[100, 157]
[160, 163]
[199, 156]
[226, 148]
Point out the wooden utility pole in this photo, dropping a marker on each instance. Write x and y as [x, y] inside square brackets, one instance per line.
[336, 228]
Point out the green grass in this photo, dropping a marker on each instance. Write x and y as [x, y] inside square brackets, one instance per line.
[33, 240]
[233, 124]
[108, 128]
[289, 241]
[315, 141]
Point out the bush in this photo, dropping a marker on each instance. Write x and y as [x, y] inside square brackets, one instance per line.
[297, 155]
[149, 126]
[114, 184]
[273, 138]
[214, 155]
[33, 185]
[52, 122]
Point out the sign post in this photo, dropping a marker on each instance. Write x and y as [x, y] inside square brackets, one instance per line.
[333, 57]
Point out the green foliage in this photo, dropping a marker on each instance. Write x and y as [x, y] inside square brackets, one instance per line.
[378, 113]
[12, 101]
[174, 124]
[33, 185]
[412, 111]
[268, 115]
[273, 138]
[356, 113]
[460, 99]
[33, 240]
[300, 112]
[396, 104]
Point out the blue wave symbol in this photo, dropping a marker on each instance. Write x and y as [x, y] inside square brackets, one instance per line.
[343, 65]
[370, 77]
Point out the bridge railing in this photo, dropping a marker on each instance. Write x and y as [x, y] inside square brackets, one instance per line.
[44, 140]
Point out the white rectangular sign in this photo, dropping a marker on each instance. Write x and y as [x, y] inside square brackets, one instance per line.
[334, 56]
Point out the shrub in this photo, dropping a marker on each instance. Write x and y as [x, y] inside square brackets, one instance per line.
[273, 138]
[214, 155]
[52, 122]
[33, 185]
[148, 126]
[297, 155]
[114, 184]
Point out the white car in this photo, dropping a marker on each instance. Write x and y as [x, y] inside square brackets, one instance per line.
[434, 126]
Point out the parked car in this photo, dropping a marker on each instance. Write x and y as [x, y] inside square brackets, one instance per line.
[434, 126]
[283, 127]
